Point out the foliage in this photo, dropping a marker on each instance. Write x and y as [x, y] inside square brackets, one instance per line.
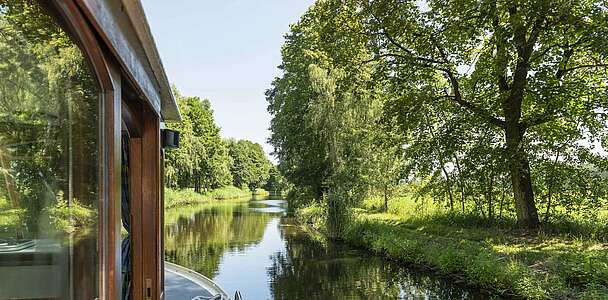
[532, 267]
[496, 89]
[48, 117]
[325, 108]
[490, 106]
[208, 164]
[260, 192]
[68, 217]
[202, 160]
[184, 197]
[248, 163]
[276, 182]
[11, 220]
[230, 192]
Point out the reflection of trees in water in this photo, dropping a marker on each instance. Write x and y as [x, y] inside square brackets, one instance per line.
[309, 270]
[305, 269]
[199, 240]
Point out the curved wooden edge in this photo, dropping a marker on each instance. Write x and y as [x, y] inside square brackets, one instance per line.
[197, 278]
[109, 82]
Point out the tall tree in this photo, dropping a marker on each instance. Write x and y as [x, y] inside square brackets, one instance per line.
[276, 182]
[248, 163]
[202, 160]
[325, 107]
[514, 66]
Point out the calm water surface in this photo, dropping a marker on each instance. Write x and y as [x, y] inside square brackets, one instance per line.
[251, 246]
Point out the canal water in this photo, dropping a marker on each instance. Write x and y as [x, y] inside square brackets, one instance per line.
[251, 246]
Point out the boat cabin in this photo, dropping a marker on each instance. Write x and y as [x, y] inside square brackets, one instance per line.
[83, 100]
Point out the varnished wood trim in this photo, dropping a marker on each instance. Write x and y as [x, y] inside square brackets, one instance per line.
[135, 185]
[130, 118]
[116, 32]
[112, 115]
[151, 210]
[108, 78]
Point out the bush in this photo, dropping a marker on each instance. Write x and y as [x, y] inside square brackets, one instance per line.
[66, 219]
[260, 192]
[175, 198]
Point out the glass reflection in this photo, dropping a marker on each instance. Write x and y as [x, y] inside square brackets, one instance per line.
[48, 159]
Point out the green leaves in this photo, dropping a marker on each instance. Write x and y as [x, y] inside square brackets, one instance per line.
[202, 160]
[248, 163]
[474, 95]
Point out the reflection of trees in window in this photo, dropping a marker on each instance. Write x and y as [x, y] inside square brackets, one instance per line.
[48, 126]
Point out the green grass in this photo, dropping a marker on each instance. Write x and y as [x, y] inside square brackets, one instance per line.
[11, 219]
[229, 192]
[260, 192]
[176, 198]
[68, 219]
[568, 262]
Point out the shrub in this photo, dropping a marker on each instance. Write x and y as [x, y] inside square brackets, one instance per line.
[67, 218]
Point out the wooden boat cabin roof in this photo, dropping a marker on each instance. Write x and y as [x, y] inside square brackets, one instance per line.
[123, 27]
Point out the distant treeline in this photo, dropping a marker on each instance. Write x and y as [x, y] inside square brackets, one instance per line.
[204, 161]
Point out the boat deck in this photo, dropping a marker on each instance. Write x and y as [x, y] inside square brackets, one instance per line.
[185, 284]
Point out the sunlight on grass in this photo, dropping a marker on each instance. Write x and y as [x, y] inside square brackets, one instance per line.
[560, 262]
[184, 197]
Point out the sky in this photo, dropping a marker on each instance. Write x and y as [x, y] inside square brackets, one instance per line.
[226, 51]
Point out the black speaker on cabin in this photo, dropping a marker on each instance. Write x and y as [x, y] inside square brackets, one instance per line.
[170, 138]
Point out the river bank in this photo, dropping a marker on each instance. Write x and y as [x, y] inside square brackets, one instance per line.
[254, 246]
[185, 197]
[505, 261]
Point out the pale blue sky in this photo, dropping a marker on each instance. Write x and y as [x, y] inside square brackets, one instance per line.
[227, 51]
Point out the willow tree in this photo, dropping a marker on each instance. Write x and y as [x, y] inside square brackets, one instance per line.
[516, 67]
[325, 107]
[201, 162]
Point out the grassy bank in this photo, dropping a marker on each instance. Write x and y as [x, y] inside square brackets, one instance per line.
[260, 192]
[554, 265]
[176, 198]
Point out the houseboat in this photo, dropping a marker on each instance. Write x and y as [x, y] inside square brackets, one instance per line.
[83, 102]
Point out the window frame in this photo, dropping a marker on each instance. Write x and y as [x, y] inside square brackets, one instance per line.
[108, 76]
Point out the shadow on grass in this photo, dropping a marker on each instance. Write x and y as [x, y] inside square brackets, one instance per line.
[499, 257]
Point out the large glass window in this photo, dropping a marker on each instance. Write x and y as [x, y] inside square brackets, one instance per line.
[49, 159]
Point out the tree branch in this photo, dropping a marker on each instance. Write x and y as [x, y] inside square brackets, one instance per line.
[501, 53]
[540, 120]
[585, 66]
[470, 106]
[401, 47]
[458, 95]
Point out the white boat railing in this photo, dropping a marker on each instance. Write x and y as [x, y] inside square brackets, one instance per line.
[199, 279]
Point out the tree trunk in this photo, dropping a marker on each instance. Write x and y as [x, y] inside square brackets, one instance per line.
[490, 196]
[11, 190]
[551, 183]
[461, 184]
[445, 172]
[385, 198]
[502, 199]
[449, 185]
[521, 181]
[519, 166]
